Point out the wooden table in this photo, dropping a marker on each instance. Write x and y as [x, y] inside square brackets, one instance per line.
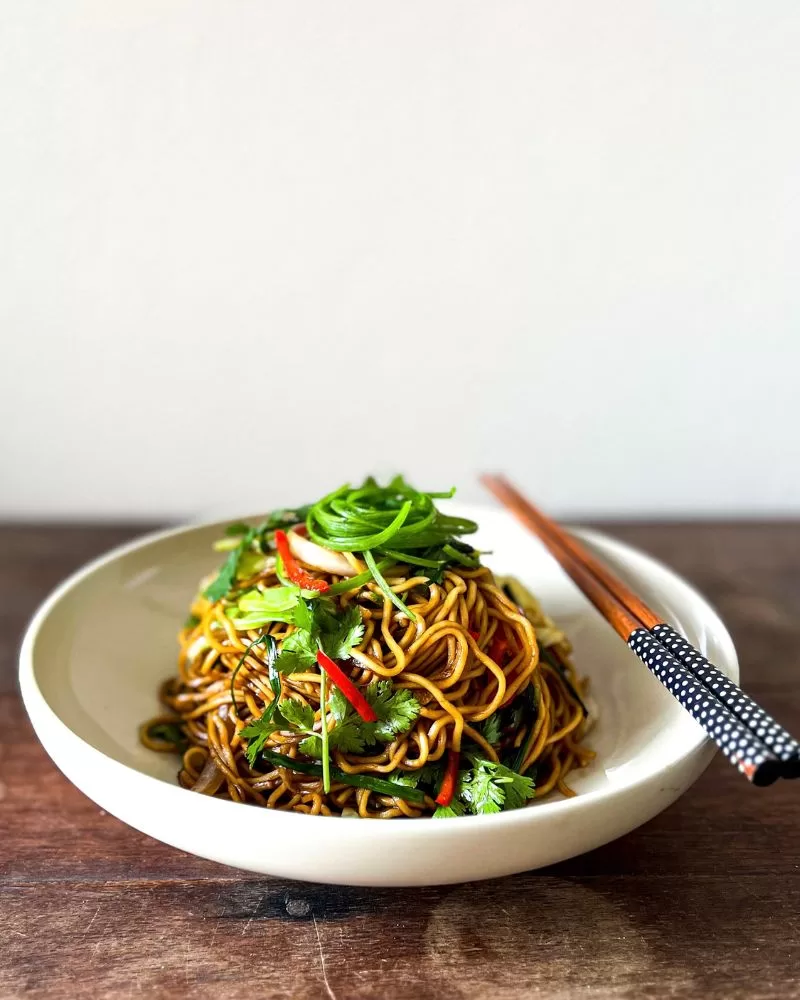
[703, 901]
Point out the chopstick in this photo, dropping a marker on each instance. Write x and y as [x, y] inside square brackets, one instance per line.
[780, 742]
[751, 739]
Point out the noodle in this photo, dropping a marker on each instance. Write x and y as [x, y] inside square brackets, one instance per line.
[442, 656]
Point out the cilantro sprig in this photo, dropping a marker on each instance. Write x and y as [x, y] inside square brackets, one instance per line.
[396, 708]
[488, 787]
[483, 787]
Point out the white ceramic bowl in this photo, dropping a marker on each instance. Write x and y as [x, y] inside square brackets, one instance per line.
[96, 651]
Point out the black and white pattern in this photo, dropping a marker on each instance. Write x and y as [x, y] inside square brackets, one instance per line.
[755, 718]
[742, 747]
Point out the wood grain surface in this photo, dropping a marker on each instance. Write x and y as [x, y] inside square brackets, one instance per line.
[703, 901]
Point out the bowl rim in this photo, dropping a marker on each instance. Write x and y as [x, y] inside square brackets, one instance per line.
[39, 709]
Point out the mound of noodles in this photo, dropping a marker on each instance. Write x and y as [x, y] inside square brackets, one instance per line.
[478, 649]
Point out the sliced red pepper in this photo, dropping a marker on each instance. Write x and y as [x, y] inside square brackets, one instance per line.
[498, 649]
[475, 635]
[295, 573]
[448, 786]
[347, 687]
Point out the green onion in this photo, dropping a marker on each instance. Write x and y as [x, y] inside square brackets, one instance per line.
[275, 682]
[395, 521]
[370, 517]
[369, 559]
[354, 582]
[379, 785]
[324, 737]
[359, 543]
[472, 561]
[414, 560]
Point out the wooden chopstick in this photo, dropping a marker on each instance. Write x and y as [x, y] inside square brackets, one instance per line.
[770, 732]
[674, 661]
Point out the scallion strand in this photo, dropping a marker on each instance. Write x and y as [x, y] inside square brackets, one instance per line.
[369, 559]
[380, 785]
[323, 711]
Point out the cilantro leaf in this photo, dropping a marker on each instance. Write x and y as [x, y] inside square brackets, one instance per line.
[429, 775]
[304, 617]
[477, 790]
[490, 787]
[338, 705]
[490, 729]
[455, 808]
[341, 634]
[397, 710]
[344, 736]
[289, 714]
[518, 788]
[298, 652]
[225, 579]
[316, 623]
[297, 714]
[257, 732]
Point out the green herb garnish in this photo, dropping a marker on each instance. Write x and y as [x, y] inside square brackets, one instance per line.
[397, 710]
[258, 731]
[394, 520]
[169, 732]
[491, 728]
[488, 787]
[226, 577]
[379, 785]
[224, 581]
[455, 808]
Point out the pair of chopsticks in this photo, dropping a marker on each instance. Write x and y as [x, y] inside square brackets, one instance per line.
[748, 736]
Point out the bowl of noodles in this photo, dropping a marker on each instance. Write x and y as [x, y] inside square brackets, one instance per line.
[382, 654]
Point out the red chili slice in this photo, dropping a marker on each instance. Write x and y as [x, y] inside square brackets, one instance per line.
[448, 787]
[347, 687]
[498, 649]
[295, 572]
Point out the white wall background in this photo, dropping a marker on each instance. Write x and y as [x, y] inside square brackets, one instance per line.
[251, 249]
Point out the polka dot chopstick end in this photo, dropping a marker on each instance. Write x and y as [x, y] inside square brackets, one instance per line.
[739, 743]
[770, 732]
